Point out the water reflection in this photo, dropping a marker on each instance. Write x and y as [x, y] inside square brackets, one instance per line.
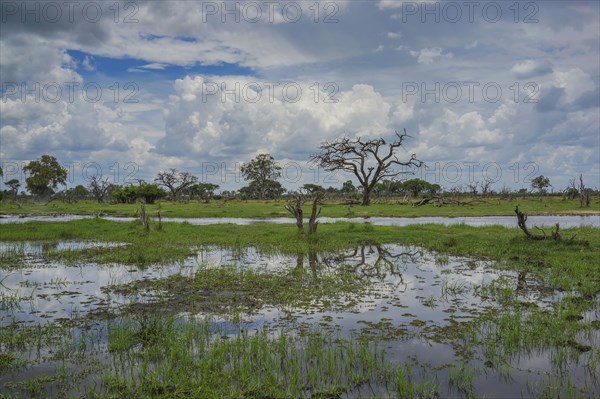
[414, 302]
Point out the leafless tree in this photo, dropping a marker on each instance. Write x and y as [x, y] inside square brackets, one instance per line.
[175, 181]
[295, 208]
[369, 160]
[472, 187]
[585, 194]
[571, 191]
[98, 188]
[485, 186]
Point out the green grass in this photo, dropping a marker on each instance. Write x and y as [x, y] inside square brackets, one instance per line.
[166, 357]
[269, 209]
[566, 264]
[159, 355]
[225, 289]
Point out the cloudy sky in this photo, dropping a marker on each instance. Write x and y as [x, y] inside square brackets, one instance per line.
[503, 90]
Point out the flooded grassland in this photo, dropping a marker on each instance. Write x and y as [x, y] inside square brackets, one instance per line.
[108, 309]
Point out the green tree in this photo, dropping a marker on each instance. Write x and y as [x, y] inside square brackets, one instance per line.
[203, 191]
[261, 171]
[149, 193]
[313, 188]
[540, 183]
[416, 186]
[348, 187]
[270, 189]
[44, 175]
[14, 185]
[77, 193]
[434, 189]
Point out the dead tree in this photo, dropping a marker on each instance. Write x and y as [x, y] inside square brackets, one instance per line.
[295, 208]
[99, 187]
[486, 186]
[175, 181]
[312, 221]
[585, 194]
[439, 201]
[472, 187]
[522, 222]
[144, 217]
[370, 161]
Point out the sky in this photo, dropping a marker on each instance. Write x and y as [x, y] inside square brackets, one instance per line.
[500, 90]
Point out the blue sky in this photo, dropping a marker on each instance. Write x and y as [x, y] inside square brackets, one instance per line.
[499, 90]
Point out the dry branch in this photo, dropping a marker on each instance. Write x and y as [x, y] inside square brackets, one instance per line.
[555, 235]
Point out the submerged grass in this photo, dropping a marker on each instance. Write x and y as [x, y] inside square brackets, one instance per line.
[225, 289]
[160, 355]
[173, 358]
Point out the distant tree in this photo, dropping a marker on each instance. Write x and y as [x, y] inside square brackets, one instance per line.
[434, 189]
[386, 187]
[14, 185]
[75, 194]
[312, 188]
[149, 193]
[416, 186]
[175, 181]
[98, 188]
[571, 190]
[369, 160]
[585, 194]
[228, 195]
[473, 188]
[540, 183]
[390, 187]
[486, 186]
[261, 171]
[124, 194]
[269, 189]
[79, 192]
[505, 192]
[44, 175]
[348, 187]
[203, 191]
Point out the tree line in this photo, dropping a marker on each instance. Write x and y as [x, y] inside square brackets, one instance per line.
[375, 164]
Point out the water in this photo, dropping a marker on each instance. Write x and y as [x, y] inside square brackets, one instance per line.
[414, 296]
[566, 221]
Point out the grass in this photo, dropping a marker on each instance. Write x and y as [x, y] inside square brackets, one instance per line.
[566, 265]
[174, 358]
[157, 354]
[275, 208]
[226, 289]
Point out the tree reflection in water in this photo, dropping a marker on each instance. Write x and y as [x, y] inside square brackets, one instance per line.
[368, 260]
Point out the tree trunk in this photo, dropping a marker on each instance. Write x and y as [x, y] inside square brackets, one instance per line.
[366, 197]
[296, 210]
[312, 222]
[144, 217]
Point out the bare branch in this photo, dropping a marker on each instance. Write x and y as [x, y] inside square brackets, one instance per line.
[369, 160]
